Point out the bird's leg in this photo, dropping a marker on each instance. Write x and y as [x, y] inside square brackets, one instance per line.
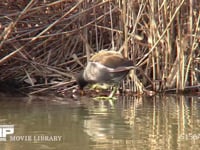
[110, 98]
[111, 95]
[113, 92]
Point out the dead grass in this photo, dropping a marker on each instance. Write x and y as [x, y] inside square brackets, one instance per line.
[44, 43]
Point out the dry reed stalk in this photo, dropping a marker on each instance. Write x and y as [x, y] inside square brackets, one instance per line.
[191, 55]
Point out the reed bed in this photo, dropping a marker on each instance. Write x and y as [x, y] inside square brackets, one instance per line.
[43, 44]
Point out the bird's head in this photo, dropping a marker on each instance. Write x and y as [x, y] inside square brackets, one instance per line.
[81, 81]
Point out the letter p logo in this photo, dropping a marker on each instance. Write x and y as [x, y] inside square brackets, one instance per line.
[5, 130]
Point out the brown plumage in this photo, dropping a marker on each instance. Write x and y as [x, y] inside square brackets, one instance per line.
[104, 67]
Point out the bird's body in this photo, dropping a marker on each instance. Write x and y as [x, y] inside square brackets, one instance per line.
[104, 67]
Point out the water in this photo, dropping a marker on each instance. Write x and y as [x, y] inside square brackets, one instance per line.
[160, 122]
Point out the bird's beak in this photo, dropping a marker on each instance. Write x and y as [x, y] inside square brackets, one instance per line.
[82, 92]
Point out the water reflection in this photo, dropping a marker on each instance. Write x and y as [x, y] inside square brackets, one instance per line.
[160, 122]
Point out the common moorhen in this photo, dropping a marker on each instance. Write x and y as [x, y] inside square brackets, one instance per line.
[104, 67]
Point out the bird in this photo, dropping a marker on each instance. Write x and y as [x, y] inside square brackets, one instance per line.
[105, 66]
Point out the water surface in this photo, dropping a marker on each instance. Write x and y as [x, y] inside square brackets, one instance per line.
[159, 122]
